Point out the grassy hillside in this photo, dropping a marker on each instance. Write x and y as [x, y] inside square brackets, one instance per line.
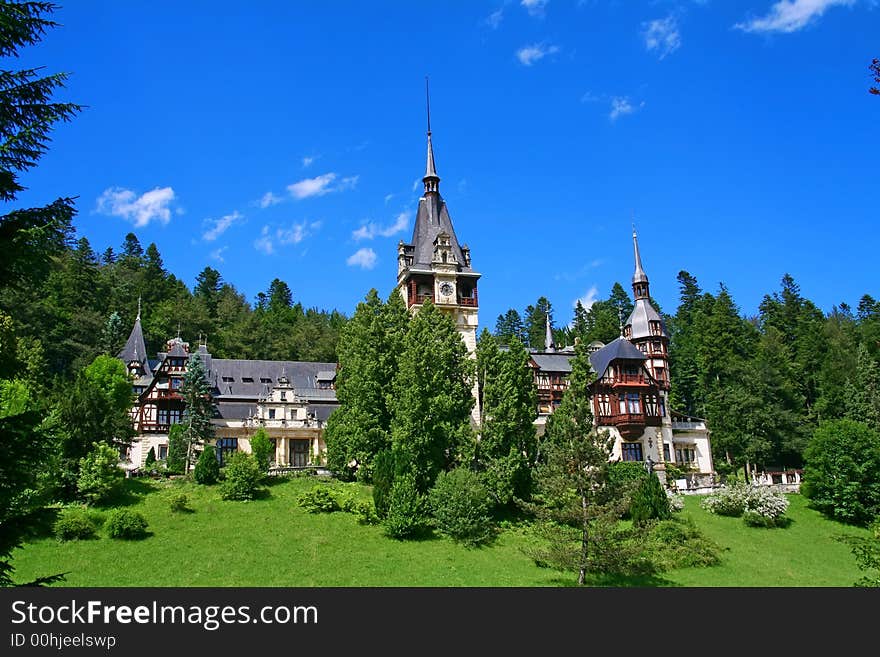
[273, 542]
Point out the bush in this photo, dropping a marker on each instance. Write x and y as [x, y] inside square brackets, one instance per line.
[677, 543]
[179, 503]
[207, 470]
[319, 500]
[760, 506]
[676, 501]
[261, 448]
[126, 524]
[461, 506]
[99, 474]
[649, 502]
[176, 458]
[624, 477]
[75, 523]
[842, 471]
[243, 477]
[405, 517]
[151, 458]
[383, 480]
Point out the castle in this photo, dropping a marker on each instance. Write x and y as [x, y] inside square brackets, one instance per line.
[292, 400]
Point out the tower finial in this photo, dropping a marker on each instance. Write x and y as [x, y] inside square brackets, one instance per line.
[620, 317]
[640, 278]
[139, 308]
[431, 179]
[428, 103]
[549, 343]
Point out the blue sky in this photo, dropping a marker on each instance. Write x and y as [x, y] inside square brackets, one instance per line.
[278, 139]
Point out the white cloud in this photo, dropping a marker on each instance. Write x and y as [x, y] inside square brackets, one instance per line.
[528, 55]
[271, 238]
[790, 15]
[363, 258]
[269, 199]
[217, 254]
[370, 230]
[494, 19]
[219, 226]
[535, 7]
[388, 197]
[662, 35]
[620, 107]
[139, 210]
[320, 185]
[416, 183]
[307, 161]
[589, 298]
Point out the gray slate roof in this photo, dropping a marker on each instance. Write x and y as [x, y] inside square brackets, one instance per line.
[136, 349]
[431, 220]
[302, 376]
[621, 348]
[549, 362]
[643, 312]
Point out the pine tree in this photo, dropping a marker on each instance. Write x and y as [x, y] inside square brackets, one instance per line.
[207, 470]
[368, 350]
[536, 322]
[199, 407]
[432, 399]
[177, 448]
[507, 445]
[863, 391]
[509, 326]
[575, 499]
[261, 448]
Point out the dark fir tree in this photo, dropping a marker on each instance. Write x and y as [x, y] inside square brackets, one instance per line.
[863, 391]
[509, 326]
[535, 322]
[432, 399]
[507, 445]
[575, 501]
[199, 409]
[360, 428]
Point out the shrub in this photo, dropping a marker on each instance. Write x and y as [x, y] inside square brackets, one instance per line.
[676, 501]
[677, 543]
[405, 517]
[461, 506]
[261, 448]
[624, 477]
[176, 458]
[760, 506]
[179, 503]
[99, 474]
[383, 480]
[126, 524]
[319, 500]
[207, 470]
[842, 471]
[365, 512]
[75, 523]
[151, 458]
[649, 502]
[243, 477]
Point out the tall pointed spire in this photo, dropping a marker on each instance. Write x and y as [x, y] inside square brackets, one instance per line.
[139, 310]
[640, 278]
[431, 179]
[549, 343]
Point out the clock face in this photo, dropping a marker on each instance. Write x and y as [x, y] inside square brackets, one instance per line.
[446, 289]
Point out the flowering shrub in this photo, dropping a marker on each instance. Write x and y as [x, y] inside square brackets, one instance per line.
[759, 506]
[676, 501]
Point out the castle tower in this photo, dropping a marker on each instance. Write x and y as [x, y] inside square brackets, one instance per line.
[435, 266]
[646, 330]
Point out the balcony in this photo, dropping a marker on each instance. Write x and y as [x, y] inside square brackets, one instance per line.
[167, 394]
[421, 298]
[467, 301]
[630, 380]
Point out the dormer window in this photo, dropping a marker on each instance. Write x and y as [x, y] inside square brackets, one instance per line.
[265, 380]
[228, 379]
[246, 379]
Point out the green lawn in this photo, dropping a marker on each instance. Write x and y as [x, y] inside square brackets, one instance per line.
[272, 542]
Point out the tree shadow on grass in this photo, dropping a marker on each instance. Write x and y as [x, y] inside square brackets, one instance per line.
[615, 581]
[43, 525]
[131, 492]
